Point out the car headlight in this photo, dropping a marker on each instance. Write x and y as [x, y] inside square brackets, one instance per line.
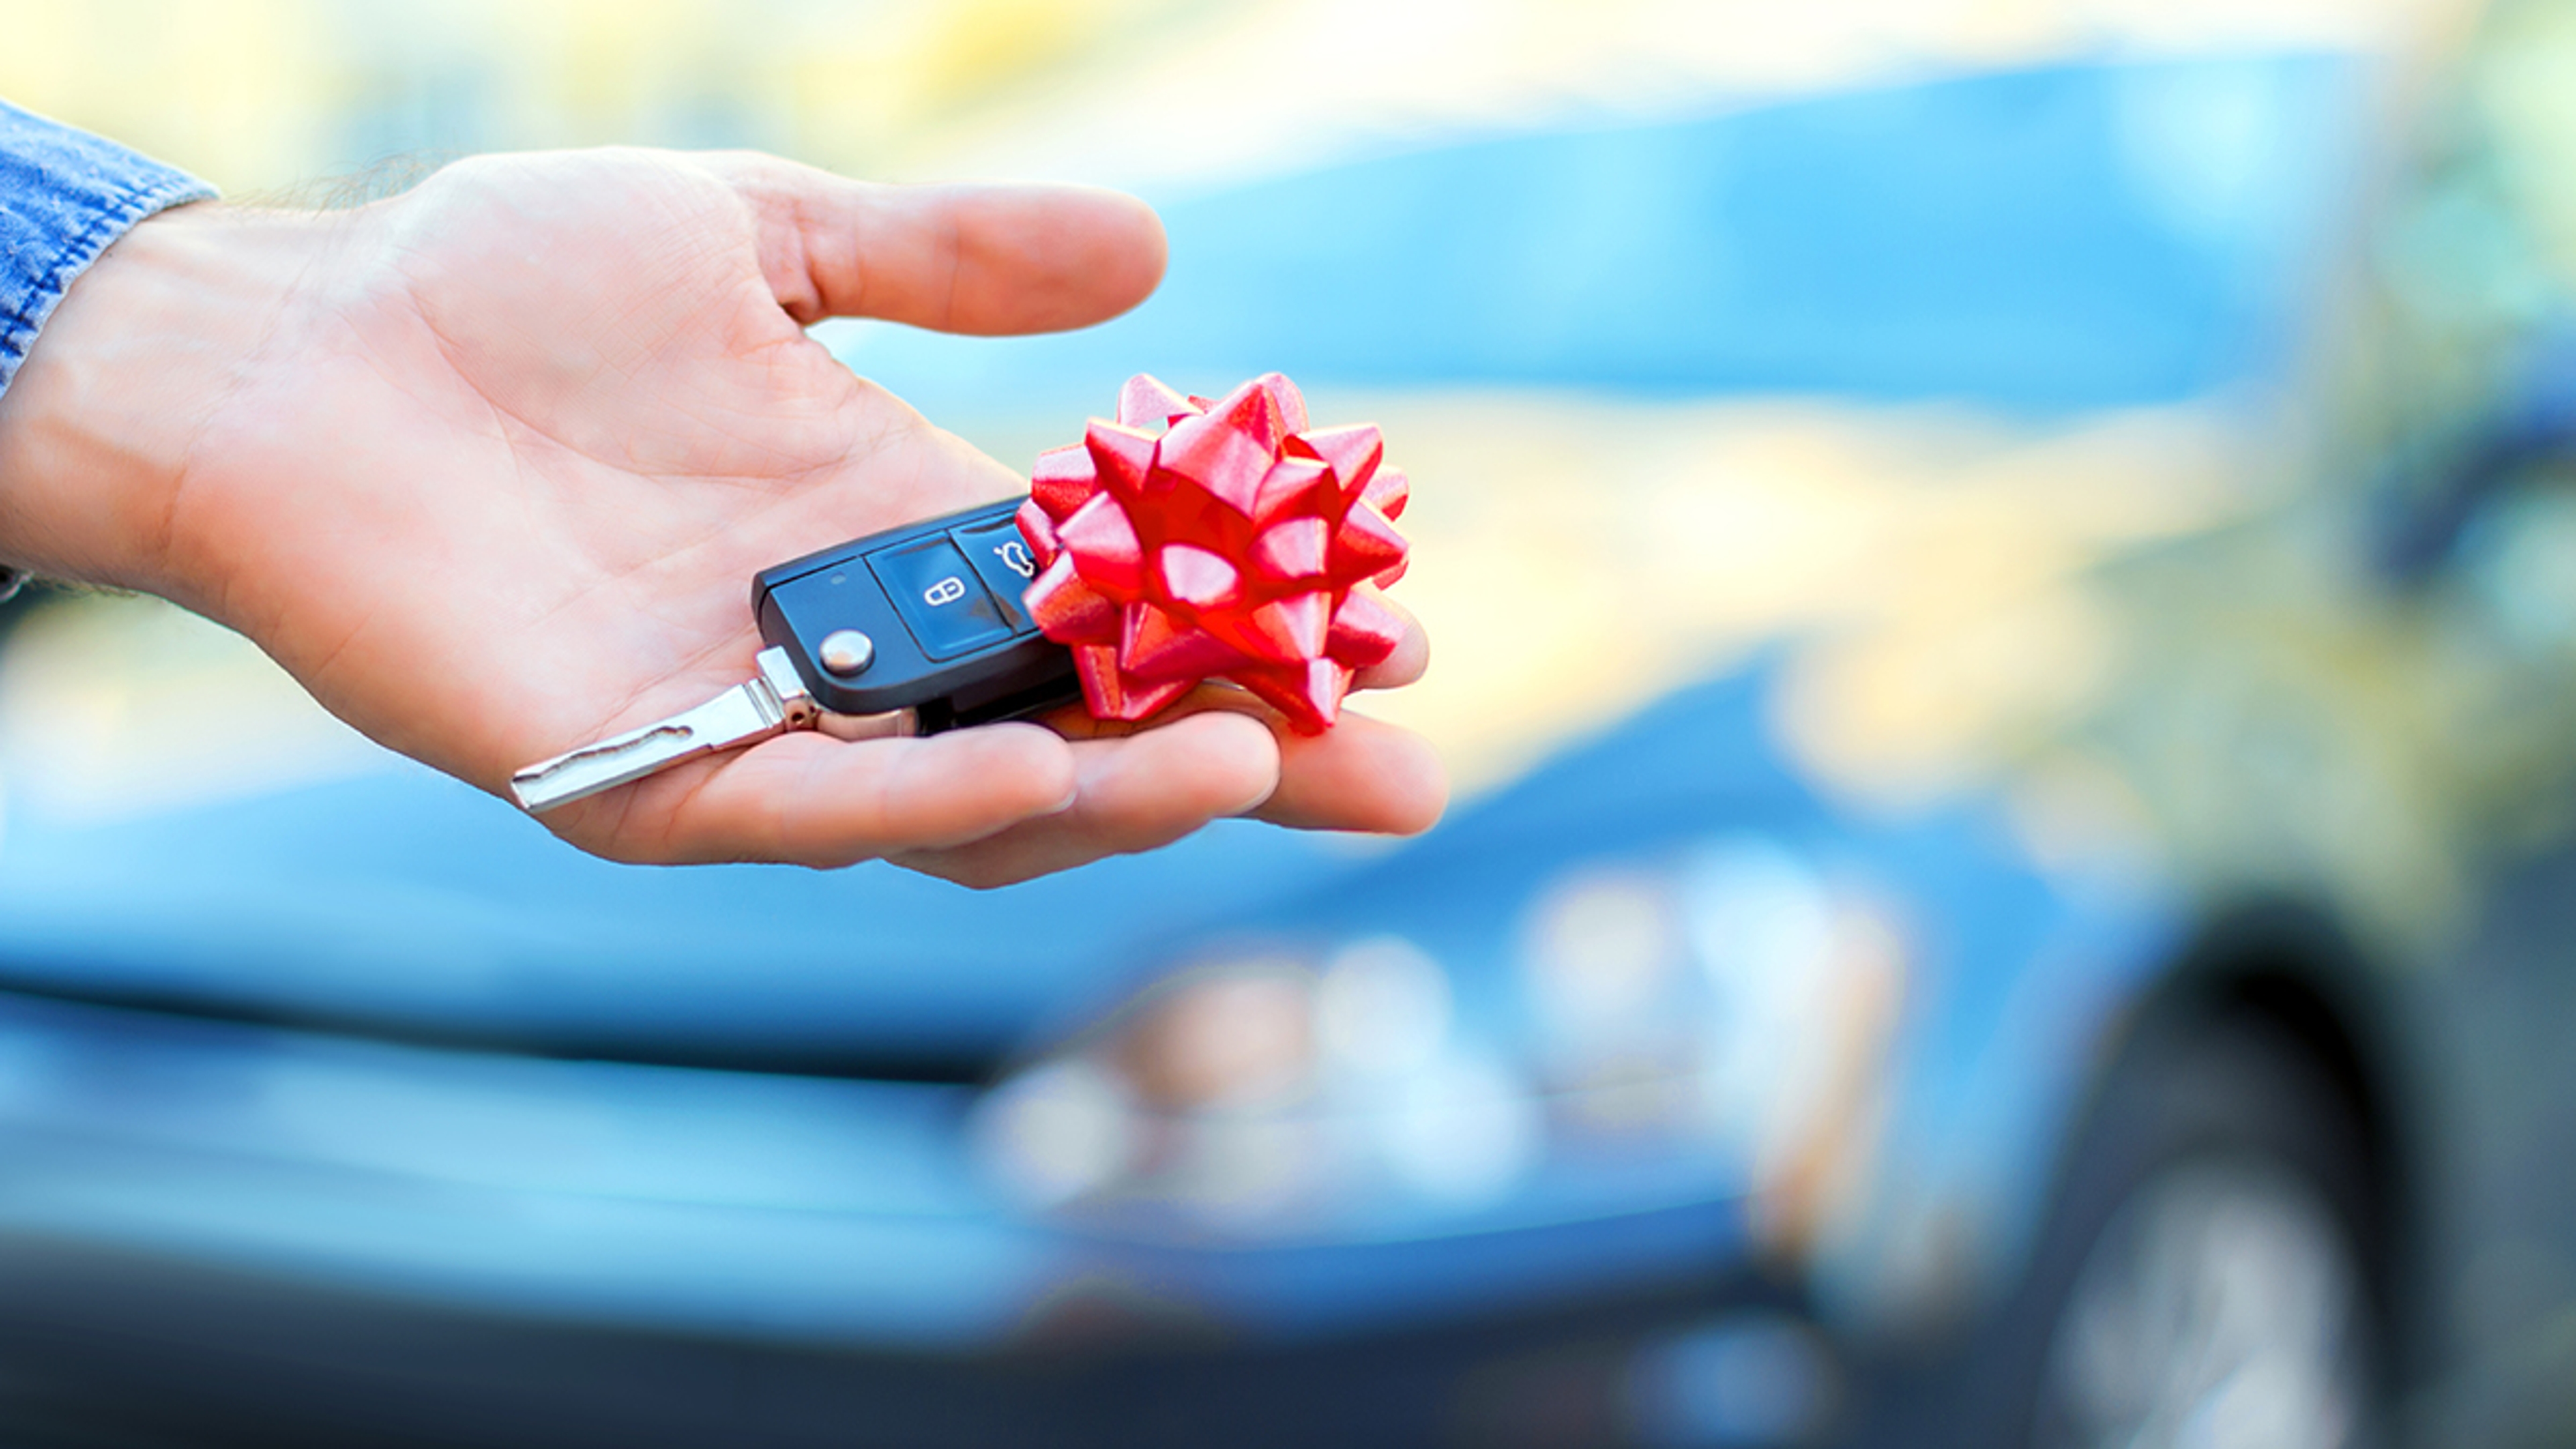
[1728, 1002]
[1238, 1038]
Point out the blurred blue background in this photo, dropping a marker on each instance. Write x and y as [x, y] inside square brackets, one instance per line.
[1997, 580]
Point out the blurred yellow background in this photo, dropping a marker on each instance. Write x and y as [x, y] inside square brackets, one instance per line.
[1842, 516]
[260, 95]
[1838, 516]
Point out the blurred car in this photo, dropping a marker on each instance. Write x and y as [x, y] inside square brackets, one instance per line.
[2070, 959]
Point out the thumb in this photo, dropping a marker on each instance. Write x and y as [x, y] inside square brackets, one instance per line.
[979, 259]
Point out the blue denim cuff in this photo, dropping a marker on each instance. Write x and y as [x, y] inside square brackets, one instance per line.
[65, 195]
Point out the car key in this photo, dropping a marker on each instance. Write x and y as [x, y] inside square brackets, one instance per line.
[911, 631]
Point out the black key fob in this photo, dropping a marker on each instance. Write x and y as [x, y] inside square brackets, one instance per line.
[926, 618]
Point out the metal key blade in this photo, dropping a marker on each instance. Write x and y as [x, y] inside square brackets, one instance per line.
[771, 702]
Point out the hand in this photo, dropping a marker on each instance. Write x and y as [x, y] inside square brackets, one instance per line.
[489, 466]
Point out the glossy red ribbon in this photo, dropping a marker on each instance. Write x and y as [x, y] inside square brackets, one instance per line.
[1194, 540]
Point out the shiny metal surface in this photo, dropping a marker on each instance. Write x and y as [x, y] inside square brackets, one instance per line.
[2220, 1308]
[847, 651]
[770, 703]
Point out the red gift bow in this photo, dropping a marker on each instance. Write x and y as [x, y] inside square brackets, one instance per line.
[1238, 545]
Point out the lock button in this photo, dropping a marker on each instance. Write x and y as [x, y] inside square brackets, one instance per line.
[999, 554]
[940, 598]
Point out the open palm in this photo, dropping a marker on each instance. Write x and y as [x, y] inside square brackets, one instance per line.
[494, 476]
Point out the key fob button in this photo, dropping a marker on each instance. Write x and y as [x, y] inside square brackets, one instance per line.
[1002, 557]
[939, 597]
[846, 652]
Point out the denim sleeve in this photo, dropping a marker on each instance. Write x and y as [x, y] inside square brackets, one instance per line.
[64, 196]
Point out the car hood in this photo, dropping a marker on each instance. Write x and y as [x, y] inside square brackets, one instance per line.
[408, 905]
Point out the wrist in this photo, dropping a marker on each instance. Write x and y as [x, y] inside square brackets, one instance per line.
[136, 361]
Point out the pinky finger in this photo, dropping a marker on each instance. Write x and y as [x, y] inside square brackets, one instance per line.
[1411, 657]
